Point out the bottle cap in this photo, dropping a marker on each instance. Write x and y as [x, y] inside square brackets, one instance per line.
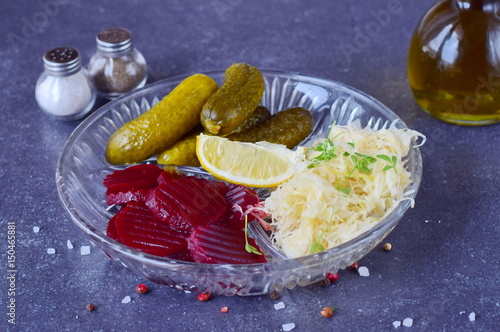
[114, 40]
[62, 60]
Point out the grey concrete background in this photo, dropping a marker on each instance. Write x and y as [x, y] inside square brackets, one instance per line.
[445, 259]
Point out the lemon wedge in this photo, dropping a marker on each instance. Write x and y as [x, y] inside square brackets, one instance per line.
[260, 164]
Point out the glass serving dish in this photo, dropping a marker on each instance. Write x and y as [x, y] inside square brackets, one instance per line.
[82, 167]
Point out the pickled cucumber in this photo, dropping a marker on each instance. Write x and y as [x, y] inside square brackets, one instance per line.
[235, 100]
[182, 152]
[162, 125]
[288, 127]
[259, 115]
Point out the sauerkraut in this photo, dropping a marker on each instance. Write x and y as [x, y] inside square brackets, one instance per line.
[350, 181]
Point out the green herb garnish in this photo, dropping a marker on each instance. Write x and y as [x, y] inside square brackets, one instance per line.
[248, 247]
[317, 246]
[392, 162]
[327, 149]
[361, 162]
[346, 190]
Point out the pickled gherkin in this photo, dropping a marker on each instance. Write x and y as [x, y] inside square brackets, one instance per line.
[163, 124]
[260, 114]
[288, 127]
[182, 152]
[235, 100]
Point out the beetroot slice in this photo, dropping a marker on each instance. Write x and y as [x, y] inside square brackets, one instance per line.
[111, 229]
[186, 203]
[218, 186]
[131, 184]
[138, 228]
[120, 197]
[241, 195]
[169, 175]
[220, 244]
[133, 177]
[240, 198]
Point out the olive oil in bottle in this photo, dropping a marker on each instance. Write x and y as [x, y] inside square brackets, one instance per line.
[454, 62]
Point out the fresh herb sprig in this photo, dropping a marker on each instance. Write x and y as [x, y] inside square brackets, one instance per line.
[361, 162]
[248, 247]
[327, 149]
[391, 160]
[317, 246]
[346, 190]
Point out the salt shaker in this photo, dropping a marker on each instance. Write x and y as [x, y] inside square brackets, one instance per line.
[64, 90]
[117, 66]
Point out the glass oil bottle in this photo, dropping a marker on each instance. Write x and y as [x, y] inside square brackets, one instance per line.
[454, 62]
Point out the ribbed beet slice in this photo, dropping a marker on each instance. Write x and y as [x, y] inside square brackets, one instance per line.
[169, 175]
[239, 199]
[111, 229]
[131, 184]
[138, 228]
[186, 203]
[218, 186]
[133, 177]
[221, 244]
[123, 197]
[241, 195]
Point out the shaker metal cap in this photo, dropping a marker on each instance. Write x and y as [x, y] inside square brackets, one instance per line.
[114, 40]
[62, 60]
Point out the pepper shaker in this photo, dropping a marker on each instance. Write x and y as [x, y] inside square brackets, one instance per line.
[117, 66]
[64, 89]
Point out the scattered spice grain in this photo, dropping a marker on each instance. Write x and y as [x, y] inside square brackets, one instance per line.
[327, 312]
[203, 297]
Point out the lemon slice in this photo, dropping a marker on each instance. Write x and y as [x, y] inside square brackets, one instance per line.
[258, 165]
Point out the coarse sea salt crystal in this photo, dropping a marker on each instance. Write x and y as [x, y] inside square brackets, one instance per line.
[85, 250]
[36, 229]
[363, 271]
[288, 326]
[472, 316]
[279, 305]
[126, 299]
[407, 322]
[69, 244]
[396, 323]
[51, 251]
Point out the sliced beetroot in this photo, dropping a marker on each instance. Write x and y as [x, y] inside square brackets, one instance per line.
[133, 195]
[241, 195]
[111, 229]
[220, 244]
[133, 177]
[219, 186]
[131, 184]
[186, 203]
[170, 214]
[169, 175]
[138, 228]
[239, 199]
